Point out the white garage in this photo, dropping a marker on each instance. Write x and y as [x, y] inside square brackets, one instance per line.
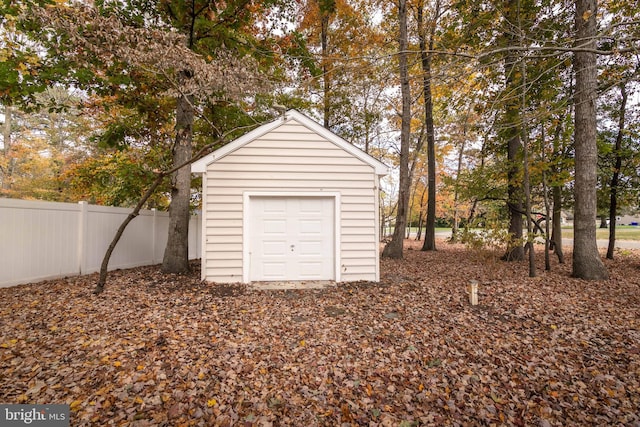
[290, 201]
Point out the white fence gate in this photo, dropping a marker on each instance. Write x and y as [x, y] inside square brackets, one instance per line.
[46, 240]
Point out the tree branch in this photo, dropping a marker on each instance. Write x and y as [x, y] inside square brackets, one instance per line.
[136, 211]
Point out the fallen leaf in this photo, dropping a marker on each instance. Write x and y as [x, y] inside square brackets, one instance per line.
[436, 360]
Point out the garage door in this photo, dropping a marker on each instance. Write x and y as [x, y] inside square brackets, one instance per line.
[291, 238]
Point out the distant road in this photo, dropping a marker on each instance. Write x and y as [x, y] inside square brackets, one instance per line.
[602, 243]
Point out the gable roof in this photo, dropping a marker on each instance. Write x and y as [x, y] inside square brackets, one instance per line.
[200, 166]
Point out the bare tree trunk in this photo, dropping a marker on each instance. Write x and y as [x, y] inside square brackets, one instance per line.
[412, 197]
[527, 179]
[474, 205]
[603, 221]
[556, 194]
[525, 151]
[420, 216]
[456, 191]
[613, 203]
[426, 57]
[327, 7]
[393, 249]
[556, 234]
[547, 228]
[176, 254]
[529, 244]
[6, 135]
[547, 206]
[102, 280]
[587, 263]
[384, 217]
[154, 185]
[6, 130]
[515, 250]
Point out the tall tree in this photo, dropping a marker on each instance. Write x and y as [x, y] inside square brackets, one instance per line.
[176, 253]
[193, 53]
[342, 75]
[21, 76]
[513, 134]
[615, 178]
[198, 21]
[587, 263]
[393, 249]
[426, 35]
[559, 173]
[41, 143]
[327, 8]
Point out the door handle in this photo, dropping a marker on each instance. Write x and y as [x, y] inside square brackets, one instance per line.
[292, 247]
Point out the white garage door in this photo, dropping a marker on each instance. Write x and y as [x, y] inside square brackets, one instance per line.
[291, 238]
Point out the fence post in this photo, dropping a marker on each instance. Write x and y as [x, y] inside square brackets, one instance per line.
[154, 231]
[83, 222]
[195, 224]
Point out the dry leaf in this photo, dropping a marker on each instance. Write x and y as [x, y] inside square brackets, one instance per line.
[551, 350]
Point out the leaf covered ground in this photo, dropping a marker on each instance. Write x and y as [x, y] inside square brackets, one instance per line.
[168, 350]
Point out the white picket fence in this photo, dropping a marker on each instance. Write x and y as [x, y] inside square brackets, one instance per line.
[46, 240]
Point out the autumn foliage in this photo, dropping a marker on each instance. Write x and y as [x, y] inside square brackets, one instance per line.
[160, 349]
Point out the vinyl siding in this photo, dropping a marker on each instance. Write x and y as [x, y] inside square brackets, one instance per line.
[289, 158]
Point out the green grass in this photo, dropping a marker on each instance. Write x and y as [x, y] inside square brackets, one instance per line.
[623, 232]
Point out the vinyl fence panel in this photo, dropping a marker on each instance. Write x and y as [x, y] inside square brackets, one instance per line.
[38, 240]
[45, 240]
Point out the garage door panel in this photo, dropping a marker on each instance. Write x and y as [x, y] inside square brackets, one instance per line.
[310, 206]
[272, 248]
[311, 248]
[273, 270]
[310, 226]
[291, 238]
[310, 270]
[274, 206]
[275, 227]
